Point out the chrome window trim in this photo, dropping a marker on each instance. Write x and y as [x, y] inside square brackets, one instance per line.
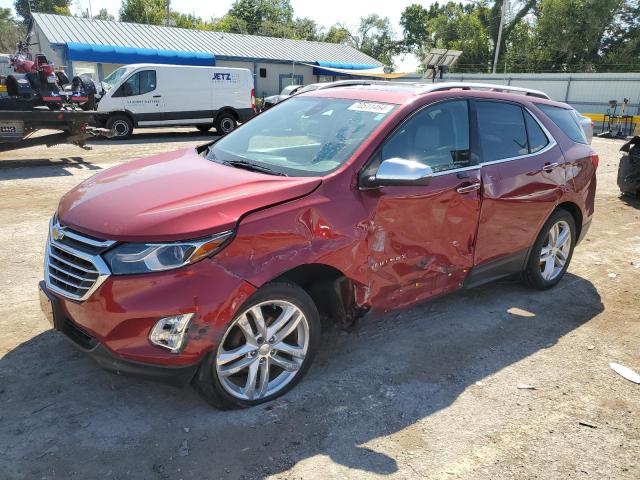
[552, 141]
[96, 260]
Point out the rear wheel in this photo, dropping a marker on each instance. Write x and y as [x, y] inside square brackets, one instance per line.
[552, 251]
[122, 125]
[225, 123]
[265, 350]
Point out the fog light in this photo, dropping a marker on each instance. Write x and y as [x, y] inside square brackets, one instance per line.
[170, 332]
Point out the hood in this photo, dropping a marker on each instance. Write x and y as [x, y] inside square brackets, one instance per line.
[172, 196]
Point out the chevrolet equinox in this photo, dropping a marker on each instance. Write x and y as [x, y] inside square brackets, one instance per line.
[214, 265]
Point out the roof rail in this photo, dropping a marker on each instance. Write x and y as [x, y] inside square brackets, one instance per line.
[437, 87]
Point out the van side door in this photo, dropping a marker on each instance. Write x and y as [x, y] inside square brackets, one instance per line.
[140, 96]
[523, 177]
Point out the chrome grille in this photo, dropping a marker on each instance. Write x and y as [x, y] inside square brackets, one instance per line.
[73, 266]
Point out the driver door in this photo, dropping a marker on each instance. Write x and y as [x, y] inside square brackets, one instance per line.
[421, 238]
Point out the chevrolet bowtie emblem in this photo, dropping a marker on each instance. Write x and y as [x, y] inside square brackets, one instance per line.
[57, 233]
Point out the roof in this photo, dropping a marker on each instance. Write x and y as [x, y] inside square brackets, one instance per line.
[61, 30]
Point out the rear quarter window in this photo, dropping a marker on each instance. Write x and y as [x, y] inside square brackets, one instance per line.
[566, 121]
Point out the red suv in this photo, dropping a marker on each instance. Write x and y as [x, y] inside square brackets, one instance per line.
[214, 265]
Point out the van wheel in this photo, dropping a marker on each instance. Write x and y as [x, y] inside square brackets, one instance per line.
[266, 349]
[552, 251]
[225, 123]
[204, 128]
[122, 125]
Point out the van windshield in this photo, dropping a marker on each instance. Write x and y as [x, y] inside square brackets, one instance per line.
[113, 78]
[303, 136]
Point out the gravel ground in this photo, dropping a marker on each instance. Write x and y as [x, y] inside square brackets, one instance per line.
[430, 392]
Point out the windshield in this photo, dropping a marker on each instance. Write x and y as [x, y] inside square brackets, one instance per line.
[113, 78]
[303, 136]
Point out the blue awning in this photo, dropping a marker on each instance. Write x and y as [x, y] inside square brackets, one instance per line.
[87, 52]
[344, 66]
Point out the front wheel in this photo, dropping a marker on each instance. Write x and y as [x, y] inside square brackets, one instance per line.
[121, 125]
[552, 251]
[266, 349]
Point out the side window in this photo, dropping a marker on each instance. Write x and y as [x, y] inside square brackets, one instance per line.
[501, 130]
[437, 136]
[537, 138]
[138, 84]
[566, 121]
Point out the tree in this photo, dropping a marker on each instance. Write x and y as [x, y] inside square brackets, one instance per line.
[337, 34]
[306, 29]
[263, 17]
[11, 32]
[60, 7]
[152, 12]
[373, 36]
[104, 14]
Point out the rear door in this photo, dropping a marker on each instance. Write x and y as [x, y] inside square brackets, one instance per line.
[421, 238]
[523, 175]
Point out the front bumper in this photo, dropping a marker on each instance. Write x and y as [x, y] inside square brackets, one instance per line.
[172, 375]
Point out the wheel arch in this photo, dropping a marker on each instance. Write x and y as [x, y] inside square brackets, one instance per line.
[330, 289]
[230, 110]
[575, 212]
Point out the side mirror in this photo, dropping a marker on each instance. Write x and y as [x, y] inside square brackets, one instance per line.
[400, 171]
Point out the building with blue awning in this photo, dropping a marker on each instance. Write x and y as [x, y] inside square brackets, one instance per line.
[97, 47]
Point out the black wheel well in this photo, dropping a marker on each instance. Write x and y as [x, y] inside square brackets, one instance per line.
[575, 212]
[229, 110]
[124, 113]
[329, 288]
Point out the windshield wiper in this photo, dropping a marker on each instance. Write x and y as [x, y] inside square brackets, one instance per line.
[253, 167]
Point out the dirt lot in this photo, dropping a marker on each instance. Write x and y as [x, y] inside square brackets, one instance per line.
[430, 392]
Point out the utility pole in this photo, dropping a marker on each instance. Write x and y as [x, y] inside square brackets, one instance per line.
[505, 6]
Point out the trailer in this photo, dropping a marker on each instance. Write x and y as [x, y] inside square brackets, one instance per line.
[73, 126]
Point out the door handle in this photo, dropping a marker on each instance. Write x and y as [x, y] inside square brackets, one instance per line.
[549, 166]
[469, 188]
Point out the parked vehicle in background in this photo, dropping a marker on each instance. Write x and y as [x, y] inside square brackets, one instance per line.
[291, 90]
[215, 264]
[587, 126]
[149, 95]
[629, 168]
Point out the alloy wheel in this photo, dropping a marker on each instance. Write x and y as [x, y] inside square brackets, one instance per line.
[555, 251]
[263, 350]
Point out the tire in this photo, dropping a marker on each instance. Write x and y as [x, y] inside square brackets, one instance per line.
[204, 128]
[123, 126]
[234, 390]
[544, 277]
[225, 123]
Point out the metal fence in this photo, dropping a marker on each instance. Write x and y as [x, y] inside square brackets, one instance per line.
[586, 92]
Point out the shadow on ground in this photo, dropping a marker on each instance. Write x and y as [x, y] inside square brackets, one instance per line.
[42, 167]
[62, 417]
[631, 200]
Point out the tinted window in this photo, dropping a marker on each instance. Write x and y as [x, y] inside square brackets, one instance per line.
[437, 136]
[537, 139]
[139, 83]
[502, 131]
[566, 121]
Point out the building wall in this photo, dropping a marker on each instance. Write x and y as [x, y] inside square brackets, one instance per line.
[586, 92]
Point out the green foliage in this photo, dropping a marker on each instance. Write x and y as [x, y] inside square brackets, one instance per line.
[538, 35]
[152, 12]
[60, 7]
[11, 31]
[104, 14]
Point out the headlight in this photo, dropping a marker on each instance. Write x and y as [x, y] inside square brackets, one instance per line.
[131, 258]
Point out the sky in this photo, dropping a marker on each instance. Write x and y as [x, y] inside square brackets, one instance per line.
[324, 12]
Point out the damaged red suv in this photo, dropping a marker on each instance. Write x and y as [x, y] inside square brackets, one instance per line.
[214, 265]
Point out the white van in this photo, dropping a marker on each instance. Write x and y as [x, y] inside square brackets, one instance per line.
[148, 95]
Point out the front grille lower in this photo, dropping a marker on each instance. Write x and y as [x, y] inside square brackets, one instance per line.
[73, 266]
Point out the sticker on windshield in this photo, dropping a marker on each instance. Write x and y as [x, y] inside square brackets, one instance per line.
[371, 107]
